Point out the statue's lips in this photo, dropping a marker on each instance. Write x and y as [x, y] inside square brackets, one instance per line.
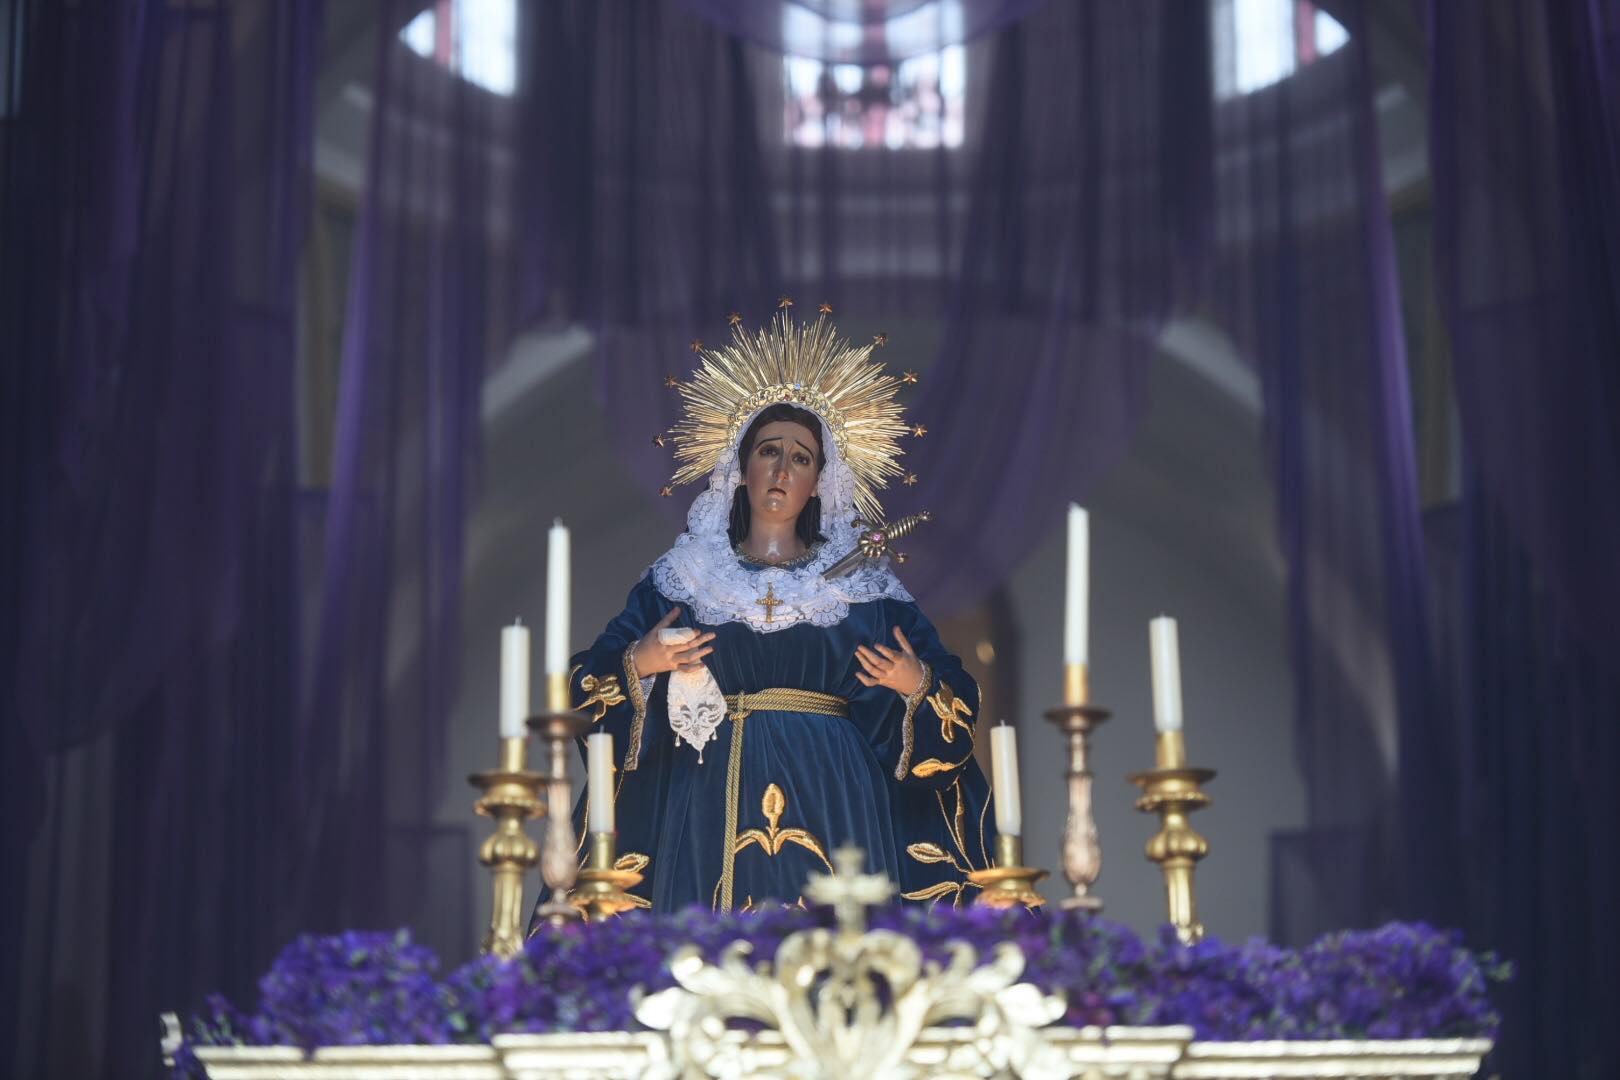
[775, 491]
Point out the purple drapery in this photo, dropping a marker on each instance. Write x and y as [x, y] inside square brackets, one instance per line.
[1525, 152]
[1307, 282]
[1051, 241]
[417, 328]
[156, 178]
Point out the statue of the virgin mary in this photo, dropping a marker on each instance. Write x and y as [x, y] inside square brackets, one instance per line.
[764, 712]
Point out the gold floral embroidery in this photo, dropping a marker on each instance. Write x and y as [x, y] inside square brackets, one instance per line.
[952, 712]
[907, 732]
[924, 852]
[602, 693]
[773, 838]
[933, 767]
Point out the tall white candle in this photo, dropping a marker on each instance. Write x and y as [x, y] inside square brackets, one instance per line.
[557, 600]
[1166, 657]
[1077, 588]
[599, 761]
[514, 680]
[1004, 776]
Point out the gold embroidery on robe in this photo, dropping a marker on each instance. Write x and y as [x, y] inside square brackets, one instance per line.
[952, 711]
[907, 731]
[956, 826]
[601, 694]
[773, 838]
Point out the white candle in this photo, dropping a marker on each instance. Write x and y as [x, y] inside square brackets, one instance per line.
[1004, 775]
[557, 600]
[1078, 587]
[514, 680]
[1166, 657]
[599, 759]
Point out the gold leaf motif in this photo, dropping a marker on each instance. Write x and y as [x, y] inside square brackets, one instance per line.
[772, 805]
[952, 711]
[932, 767]
[602, 692]
[935, 891]
[927, 853]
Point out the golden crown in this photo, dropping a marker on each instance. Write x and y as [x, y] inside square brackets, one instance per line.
[807, 365]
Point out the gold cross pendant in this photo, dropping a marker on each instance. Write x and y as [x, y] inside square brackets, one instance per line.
[770, 603]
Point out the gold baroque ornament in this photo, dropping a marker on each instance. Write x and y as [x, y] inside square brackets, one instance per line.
[850, 1002]
[807, 365]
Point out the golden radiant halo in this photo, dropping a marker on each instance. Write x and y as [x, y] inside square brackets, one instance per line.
[807, 365]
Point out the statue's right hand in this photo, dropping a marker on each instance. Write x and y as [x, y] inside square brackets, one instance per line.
[654, 657]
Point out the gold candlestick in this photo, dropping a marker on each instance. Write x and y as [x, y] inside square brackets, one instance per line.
[558, 863]
[600, 893]
[1173, 790]
[511, 795]
[1082, 850]
[1008, 883]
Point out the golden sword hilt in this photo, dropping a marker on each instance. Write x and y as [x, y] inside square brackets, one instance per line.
[877, 542]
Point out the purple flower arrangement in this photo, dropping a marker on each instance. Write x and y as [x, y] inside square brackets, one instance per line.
[1403, 980]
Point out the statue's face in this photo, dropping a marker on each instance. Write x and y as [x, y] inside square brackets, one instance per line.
[781, 471]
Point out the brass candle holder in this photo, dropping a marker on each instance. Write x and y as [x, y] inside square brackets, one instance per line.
[1008, 883]
[511, 795]
[1082, 850]
[558, 862]
[600, 893]
[1173, 790]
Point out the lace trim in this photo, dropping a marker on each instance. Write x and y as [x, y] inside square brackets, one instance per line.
[908, 733]
[637, 689]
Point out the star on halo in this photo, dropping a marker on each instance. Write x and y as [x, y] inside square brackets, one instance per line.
[826, 308]
[658, 440]
[880, 339]
[671, 381]
[910, 480]
[697, 344]
[919, 430]
[909, 378]
[733, 319]
[784, 303]
[666, 491]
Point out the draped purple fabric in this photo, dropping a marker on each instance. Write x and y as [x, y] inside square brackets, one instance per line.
[1053, 245]
[1307, 282]
[156, 183]
[1525, 152]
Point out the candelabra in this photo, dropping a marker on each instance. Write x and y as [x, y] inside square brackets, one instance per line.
[600, 893]
[558, 863]
[1008, 883]
[511, 795]
[1173, 790]
[1082, 851]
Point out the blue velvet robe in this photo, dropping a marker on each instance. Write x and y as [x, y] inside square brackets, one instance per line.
[896, 777]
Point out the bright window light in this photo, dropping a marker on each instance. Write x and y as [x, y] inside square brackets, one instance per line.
[475, 39]
[1261, 42]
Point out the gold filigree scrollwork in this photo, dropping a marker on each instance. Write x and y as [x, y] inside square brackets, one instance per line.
[773, 838]
[907, 730]
[602, 692]
[851, 1002]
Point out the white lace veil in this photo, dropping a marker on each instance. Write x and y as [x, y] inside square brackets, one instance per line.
[703, 573]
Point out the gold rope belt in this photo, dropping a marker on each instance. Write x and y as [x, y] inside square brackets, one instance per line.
[783, 699]
[739, 706]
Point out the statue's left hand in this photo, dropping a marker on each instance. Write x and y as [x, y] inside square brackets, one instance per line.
[898, 669]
